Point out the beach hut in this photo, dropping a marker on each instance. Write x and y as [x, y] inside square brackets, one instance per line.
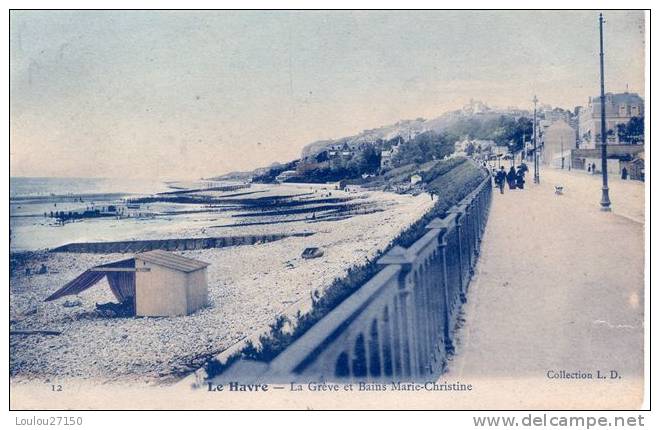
[171, 285]
[155, 283]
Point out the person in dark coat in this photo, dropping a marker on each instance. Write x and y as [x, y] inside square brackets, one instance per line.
[500, 178]
[511, 178]
[624, 173]
[520, 178]
[524, 167]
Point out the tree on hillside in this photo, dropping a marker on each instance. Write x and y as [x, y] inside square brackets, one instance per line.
[522, 127]
[425, 147]
[502, 129]
[275, 169]
[322, 156]
[633, 131]
[368, 160]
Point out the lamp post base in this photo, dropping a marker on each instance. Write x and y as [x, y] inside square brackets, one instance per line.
[605, 204]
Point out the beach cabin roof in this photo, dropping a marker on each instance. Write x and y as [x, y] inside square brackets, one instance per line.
[171, 261]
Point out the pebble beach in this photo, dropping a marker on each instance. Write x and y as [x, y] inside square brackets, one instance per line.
[249, 286]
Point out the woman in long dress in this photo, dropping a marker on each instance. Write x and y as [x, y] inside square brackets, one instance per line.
[511, 178]
[520, 178]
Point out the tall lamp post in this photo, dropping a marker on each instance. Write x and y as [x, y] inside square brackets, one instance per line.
[605, 198]
[536, 158]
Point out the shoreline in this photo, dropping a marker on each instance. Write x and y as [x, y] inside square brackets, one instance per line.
[243, 296]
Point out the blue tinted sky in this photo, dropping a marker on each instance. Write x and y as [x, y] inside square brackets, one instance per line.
[192, 94]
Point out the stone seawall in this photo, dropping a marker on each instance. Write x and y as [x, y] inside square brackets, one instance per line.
[132, 246]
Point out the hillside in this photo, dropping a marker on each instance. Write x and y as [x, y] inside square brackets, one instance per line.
[460, 122]
[404, 128]
[483, 124]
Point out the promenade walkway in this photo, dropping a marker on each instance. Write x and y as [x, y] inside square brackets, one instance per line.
[559, 287]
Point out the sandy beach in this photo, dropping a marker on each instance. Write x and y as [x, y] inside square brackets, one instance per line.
[249, 286]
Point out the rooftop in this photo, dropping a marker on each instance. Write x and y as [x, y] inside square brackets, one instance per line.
[620, 98]
[172, 261]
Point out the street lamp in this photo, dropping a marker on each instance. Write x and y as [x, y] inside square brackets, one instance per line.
[536, 158]
[605, 198]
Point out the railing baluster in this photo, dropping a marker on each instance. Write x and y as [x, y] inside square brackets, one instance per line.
[407, 337]
[475, 227]
[443, 226]
[382, 348]
[434, 308]
[423, 318]
[462, 278]
[426, 317]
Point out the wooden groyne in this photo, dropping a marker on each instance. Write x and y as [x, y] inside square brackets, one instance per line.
[222, 188]
[134, 246]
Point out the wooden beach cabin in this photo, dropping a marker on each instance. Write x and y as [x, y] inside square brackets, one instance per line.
[158, 283]
[170, 285]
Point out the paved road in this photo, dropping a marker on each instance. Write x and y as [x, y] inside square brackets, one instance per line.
[559, 287]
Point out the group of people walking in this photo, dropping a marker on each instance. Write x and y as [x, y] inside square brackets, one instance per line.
[591, 168]
[515, 178]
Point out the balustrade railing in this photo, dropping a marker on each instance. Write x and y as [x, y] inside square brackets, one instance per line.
[401, 323]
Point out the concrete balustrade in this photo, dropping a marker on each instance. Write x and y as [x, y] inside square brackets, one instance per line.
[400, 325]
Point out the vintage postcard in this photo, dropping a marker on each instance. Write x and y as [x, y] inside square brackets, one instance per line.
[328, 209]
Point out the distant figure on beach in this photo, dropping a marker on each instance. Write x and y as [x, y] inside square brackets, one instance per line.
[511, 178]
[500, 178]
[589, 168]
[624, 173]
[593, 168]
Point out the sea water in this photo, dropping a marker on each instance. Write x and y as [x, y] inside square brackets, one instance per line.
[31, 198]
[30, 187]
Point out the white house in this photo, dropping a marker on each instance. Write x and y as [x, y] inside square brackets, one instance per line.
[286, 175]
[558, 141]
[619, 109]
[414, 179]
[386, 157]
